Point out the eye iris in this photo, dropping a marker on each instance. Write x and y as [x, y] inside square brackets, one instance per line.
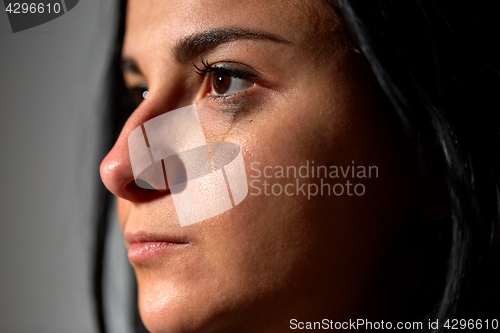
[221, 83]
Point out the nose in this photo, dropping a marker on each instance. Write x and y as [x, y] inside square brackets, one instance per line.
[116, 168]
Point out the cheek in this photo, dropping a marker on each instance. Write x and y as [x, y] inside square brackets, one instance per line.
[327, 127]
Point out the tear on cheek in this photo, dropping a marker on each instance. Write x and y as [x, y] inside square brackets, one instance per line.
[170, 152]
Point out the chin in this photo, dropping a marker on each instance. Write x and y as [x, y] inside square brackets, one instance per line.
[167, 308]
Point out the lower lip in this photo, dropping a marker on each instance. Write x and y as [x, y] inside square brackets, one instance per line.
[139, 252]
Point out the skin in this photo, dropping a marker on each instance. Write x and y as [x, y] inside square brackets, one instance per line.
[271, 258]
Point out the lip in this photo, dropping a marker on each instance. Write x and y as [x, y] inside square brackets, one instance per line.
[144, 247]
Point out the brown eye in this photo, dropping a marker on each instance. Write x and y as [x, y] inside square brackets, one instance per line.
[225, 84]
[221, 83]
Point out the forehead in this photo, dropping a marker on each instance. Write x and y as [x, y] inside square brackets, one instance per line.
[158, 25]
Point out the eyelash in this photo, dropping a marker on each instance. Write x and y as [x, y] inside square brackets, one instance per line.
[208, 69]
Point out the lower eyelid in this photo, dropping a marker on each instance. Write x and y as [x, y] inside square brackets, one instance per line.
[236, 107]
[234, 98]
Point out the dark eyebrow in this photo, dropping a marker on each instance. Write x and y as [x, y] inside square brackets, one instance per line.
[195, 45]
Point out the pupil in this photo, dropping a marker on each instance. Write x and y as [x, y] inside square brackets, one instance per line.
[221, 84]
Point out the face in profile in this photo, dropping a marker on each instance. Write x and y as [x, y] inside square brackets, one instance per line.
[284, 81]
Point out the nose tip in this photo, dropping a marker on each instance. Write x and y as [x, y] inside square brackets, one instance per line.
[145, 158]
[117, 175]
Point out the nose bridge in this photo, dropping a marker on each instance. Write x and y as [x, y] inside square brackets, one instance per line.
[167, 91]
[159, 141]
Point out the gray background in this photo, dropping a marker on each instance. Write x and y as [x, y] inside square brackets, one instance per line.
[51, 85]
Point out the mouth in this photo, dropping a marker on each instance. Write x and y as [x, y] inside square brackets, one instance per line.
[144, 247]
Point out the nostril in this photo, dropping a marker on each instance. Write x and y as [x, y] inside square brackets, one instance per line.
[153, 177]
[144, 184]
[142, 194]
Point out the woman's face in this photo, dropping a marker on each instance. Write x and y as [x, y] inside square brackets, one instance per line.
[295, 92]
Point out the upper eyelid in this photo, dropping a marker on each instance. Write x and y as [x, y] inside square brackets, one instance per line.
[229, 68]
[142, 85]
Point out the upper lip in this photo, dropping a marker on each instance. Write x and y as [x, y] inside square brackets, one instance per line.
[143, 237]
